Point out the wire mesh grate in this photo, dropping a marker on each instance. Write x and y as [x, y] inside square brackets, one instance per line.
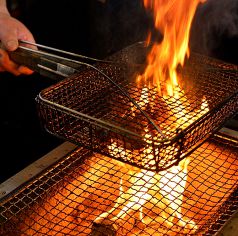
[91, 194]
[87, 109]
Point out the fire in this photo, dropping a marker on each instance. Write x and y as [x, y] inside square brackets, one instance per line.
[161, 193]
[173, 18]
[142, 191]
[70, 206]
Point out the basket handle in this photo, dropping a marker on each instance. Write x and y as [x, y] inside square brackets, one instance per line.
[45, 63]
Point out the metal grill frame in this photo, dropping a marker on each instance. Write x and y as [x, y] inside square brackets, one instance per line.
[62, 118]
[22, 203]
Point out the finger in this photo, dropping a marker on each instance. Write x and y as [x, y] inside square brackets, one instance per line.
[10, 41]
[11, 44]
[14, 68]
[7, 64]
[25, 70]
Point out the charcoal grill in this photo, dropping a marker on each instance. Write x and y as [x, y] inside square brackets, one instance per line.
[68, 197]
[185, 183]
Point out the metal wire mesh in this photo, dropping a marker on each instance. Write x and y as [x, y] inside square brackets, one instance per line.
[89, 110]
[87, 194]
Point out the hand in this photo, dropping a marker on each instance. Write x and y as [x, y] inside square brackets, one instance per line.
[11, 31]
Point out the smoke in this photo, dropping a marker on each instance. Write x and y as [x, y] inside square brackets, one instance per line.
[215, 22]
[116, 24]
[119, 23]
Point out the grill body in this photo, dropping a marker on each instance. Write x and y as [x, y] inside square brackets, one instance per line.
[79, 194]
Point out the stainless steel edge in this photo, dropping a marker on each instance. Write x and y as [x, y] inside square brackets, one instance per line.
[35, 168]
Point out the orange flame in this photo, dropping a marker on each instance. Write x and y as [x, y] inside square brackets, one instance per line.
[146, 187]
[173, 18]
[165, 189]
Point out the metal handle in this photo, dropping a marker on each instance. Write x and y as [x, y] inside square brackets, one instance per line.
[52, 62]
[24, 57]
[49, 61]
[45, 63]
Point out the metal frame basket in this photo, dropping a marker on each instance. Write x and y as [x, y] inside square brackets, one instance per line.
[104, 109]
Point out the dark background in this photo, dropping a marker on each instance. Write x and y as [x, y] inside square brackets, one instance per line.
[94, 29]
[87, 27]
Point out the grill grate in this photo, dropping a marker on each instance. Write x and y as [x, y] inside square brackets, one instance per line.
[87, 109]
[70, 198]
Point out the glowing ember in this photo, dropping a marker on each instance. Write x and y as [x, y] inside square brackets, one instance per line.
[162, 192]
[173, 18]
[70, 206]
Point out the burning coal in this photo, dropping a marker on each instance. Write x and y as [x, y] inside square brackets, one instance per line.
[157, 198]
[180, 200]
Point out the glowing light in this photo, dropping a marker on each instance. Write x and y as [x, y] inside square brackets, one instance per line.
[173, 18]
[164, 190]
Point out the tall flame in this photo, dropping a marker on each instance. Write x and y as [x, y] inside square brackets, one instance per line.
[173, 18]
[163, 190]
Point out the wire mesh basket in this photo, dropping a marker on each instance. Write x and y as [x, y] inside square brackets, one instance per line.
[106, 110]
